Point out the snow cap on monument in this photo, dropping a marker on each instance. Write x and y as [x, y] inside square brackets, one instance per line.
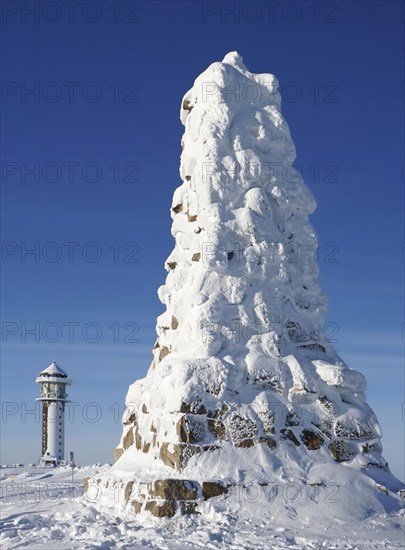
[234, 58]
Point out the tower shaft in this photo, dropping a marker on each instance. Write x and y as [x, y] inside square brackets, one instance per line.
[53, 382]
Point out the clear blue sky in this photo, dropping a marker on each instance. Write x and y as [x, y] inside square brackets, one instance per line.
[110, 84]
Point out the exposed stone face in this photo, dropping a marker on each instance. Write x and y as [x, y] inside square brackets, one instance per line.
[178, 208]
[163, 353]
[170, 454]
[382, 464]
[153, 428]
[270, 442]
[195, 407]
[190, 429]
[223, 410]
[314, 347]
[219, 412]
[211, 447]
[196, 257]
[128, 439]
[138, 438]
[175, 323]
[177, 455]
[161, 509]
[128, 490]
[192, 217]
[164, 497]
[292, 419]
[215, 389]
[217, 428]
[130, 420]
[245, 444]
[174, 489]
[117, 453]
[288, 434]
[311, 440]
[341, 451]
[137, 506]
[187, 106]
[212, 489]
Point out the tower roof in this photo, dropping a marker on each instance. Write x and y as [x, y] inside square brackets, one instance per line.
[54, 370]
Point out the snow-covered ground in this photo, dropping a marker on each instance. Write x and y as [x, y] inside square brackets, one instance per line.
[42, 509]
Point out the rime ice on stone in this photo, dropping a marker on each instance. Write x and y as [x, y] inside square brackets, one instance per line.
[242, 378]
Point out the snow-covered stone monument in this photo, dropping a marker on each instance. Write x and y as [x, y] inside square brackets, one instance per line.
[53, 382]
[244, 385]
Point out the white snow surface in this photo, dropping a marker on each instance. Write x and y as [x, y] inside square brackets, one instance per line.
[42, 510]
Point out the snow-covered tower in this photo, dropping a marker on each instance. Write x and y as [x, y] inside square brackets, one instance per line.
[53, 382]
[244, 386]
